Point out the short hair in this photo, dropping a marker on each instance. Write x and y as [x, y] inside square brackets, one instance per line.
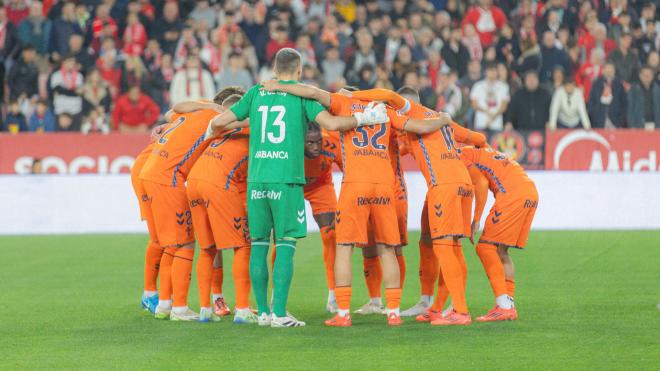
[407, 90]
[350, 88]
[490, 65]
[287, 60]
[226, 92]
[231, 99]
[312, 126]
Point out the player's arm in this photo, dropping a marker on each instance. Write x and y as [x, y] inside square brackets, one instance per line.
[426, 126]
[192, 106]
[384, 95]
[299, 90]
[480, 184]
[468, 136]
[372, 114]
[224, 121]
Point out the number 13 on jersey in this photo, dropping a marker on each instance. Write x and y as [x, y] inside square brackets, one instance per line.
[278, 124]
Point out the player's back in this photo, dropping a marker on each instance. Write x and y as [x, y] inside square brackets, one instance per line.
[224, 162]
[177, 148]
[366, 149]
[140, 161]
[503, 174]
[278, 123]
[436, 153]
[318, 170]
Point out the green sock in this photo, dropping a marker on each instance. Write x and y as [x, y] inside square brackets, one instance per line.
[259, 274]
[282, 275]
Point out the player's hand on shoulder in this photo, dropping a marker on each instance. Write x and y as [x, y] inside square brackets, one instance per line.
[269, 85]
[374, 113]
[157, 131]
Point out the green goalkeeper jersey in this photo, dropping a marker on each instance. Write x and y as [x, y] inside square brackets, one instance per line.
[278, 124]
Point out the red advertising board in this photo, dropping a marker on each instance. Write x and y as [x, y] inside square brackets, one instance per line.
[64, 153]
[602, 150]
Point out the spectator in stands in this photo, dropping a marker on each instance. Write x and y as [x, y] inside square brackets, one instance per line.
[192, 82]
[17, 10]
[23, 78]
[486, 19]
[279, 39]
[15, 121]
[35, 29]
[403, 64]
[598, 40]
[168, 29]
[552, 56]
[203, 13]
[95, 122]
[490, 99]
[104, 21]
[449, 96]
[365, 54]
[135, 36]
[65, 83]
[507, 46]
[625, 61]
[109, 68]
[83, 18]
[333, 69]
[43, 119]
[134, 111]
[37, 167]
[66, 122]
[472, 42]
[81, 54]
[304, 46]
[644, 101]
[568, 109]
[236, 73]
[590, 71]
[530, 106]
[134, 73]
[95, 92]
[237, 42]
[471, 77]
[63, 29]
[607, 104]
[530, 57]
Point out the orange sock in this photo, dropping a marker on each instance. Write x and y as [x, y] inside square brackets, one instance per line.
[443, 294]
[166, 273]
[204, 270]
[373, 275]
[510, 287]
[458, 251]
[393, 298]
[241, 273]
[329, 250]
[493, 266]
[181, 270]
[428, 268]
[217, 280]
[343, 295]
[151, 264]
[452, 273]
[402, 269]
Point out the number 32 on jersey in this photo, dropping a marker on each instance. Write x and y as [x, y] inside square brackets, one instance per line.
[278, 132]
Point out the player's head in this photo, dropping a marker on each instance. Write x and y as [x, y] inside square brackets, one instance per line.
[313, 140]
[226, 92]
[288, 63]
[409, 93]
[230, 100]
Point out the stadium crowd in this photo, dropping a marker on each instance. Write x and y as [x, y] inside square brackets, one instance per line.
[104, 65]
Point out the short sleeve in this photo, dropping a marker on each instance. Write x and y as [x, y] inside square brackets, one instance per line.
[241, 109]
[476, 89]
[312, 109]
[397, 120]
[339, 104]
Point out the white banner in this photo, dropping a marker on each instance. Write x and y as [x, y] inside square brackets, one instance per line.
[106, 203]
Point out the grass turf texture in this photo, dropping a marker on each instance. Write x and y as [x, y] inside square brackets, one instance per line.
[586, 300]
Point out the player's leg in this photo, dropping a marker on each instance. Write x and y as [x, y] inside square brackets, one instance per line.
[402, 221]
[290, 222]
[152, 258]
[391, 278]
[261, 225]
[509, 269]
[373, 277]
[220, 307]
[343, 286]
[241, 274]
[428, 269]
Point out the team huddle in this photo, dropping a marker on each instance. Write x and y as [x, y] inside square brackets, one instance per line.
[235, 173]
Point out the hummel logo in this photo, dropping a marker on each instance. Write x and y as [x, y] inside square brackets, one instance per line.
[338, 216]
[301, 216]
[438, 211]
[497, 214]
[495, 219]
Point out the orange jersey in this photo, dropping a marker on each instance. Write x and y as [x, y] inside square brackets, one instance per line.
[177, 148]
[503, 174]
[140, 160]
[395, 156]
[318, 170]
[365, 150]
[224, 162]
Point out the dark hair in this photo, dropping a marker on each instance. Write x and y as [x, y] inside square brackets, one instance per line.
[226, 92]
[350, 88]
[490, 65]
[312, 126]
[231, 99]
[287, 60]
[27, 47]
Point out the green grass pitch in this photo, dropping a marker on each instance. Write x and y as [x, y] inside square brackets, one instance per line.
[587, 300]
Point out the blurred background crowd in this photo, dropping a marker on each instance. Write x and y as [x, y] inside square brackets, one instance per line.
[116, 65]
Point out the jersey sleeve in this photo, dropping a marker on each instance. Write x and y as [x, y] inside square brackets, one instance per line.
[241, 109]
[339, 104]
[383, 95]
[468, 136]
[397, 120]
[312, 109]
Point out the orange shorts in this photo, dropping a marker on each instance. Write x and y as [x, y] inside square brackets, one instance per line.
[168, 208]
[362, 204]
[510, 219]
[322, 198]
[450, 213]
[219, 215]
[145, 203]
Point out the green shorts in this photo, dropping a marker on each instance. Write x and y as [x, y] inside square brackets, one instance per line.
[276, 207]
